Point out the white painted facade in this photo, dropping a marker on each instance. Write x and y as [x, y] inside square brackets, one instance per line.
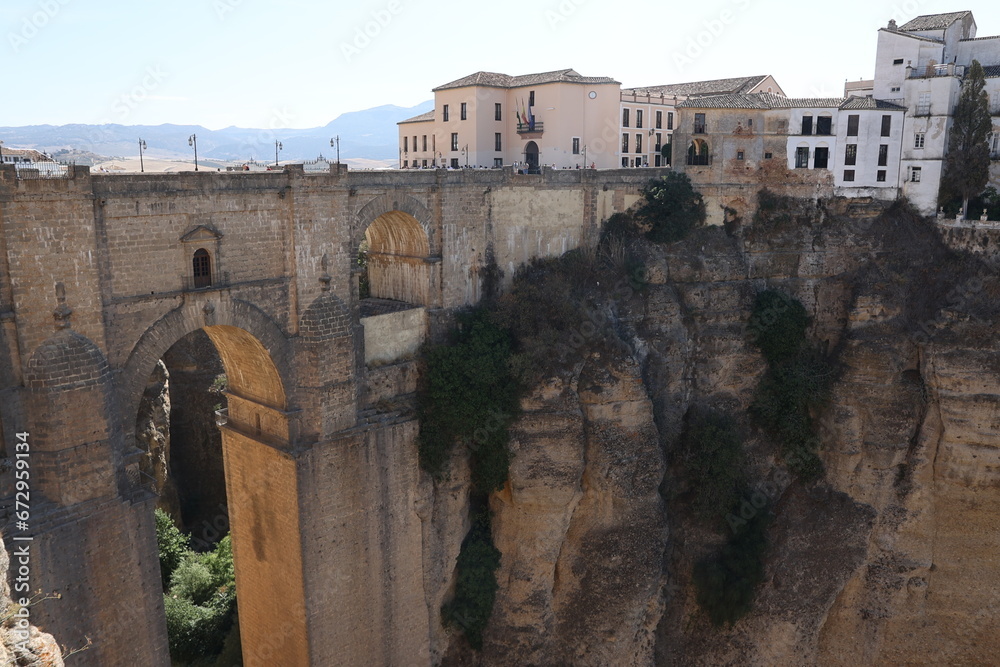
[920, 65]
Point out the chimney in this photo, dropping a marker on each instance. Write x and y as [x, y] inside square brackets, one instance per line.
[892, 25]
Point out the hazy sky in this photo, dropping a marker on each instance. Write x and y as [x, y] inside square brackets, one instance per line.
[300, 63]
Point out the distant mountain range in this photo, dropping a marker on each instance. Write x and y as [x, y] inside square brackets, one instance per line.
[368, 134]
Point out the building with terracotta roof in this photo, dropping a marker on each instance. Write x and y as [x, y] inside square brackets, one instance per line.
[558, 118]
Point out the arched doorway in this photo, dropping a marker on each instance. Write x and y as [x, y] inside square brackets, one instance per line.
[259, 475]
[531, 157]
[396, 264]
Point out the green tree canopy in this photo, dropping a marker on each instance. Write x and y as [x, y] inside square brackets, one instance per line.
[672, 208]
[967, 164]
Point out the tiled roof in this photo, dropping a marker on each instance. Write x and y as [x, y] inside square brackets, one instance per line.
[731, 86]
[26, 153]
[912, 36]
[497, 80]
[760, 101]
[428, 115]
[771, 101]
[855, 102]
[933, 21]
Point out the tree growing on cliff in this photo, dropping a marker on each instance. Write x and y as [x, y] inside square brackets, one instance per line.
[672, 208]
[967, 164]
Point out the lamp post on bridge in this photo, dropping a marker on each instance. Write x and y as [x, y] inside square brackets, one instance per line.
[142, 147]
[193, 141]
[277, 147]
[336, 141]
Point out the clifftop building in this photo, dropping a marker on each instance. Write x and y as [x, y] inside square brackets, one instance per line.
[887, 136]
[558, 118]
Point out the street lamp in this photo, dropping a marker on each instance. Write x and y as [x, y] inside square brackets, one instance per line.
[277, 147]
[193, 141]
[465, 152]
[1, 151]
[336, 141]
[142, 147]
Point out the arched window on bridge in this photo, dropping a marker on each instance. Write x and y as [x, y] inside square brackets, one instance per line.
[202, 265]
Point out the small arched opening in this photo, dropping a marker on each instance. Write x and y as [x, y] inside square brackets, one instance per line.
[394, 260]
[201, 264]
[531, 157]
[697, 152]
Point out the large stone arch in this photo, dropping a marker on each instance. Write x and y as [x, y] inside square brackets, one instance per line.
[403, 257]
[259, 436]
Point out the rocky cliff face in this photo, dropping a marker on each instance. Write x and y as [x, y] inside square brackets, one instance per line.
[889, 558]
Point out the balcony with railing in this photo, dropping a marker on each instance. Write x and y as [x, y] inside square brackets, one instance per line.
[530, 128]
[931, 71]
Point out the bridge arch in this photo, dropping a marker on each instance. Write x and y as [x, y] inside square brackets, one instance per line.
[402, 249]
[258, 435]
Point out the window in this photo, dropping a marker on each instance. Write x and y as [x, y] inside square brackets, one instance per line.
[883, 155]
[498, 162]
[802, 157]
[894, 89]
[768, 156]
[465, 111]
[454, 163]
[638, 143]
[498, 113]
[659, 121]
[852, 125]
[624, 161]
[576, 145]
[807, 125]
[423, 163]
[202, 265]
[624, 117]
[886, 125]
[498, 141]
[656, 161]
[444, 113]
[915, 174]
[406, 163]
[638, 118]
[824, 125]
[822, 158]
[749, 122]
[659, 144]
[531, 98]
[739, 155]
[699, 123]
[918, 140]
[423, 142]
[851, 154]
[880, 176]
[625, 142]
[924, 104]
[848, 175]
[698, 152]
[670, 120]
[406, 144]
[897, 61]
[414, 143]
[454, 141]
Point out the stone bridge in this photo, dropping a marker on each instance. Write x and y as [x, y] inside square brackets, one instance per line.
[102, 274]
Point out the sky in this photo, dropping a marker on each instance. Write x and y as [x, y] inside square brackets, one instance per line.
[301, 63]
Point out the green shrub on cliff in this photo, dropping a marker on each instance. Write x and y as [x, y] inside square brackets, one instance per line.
[468, 395]
[671, 208]
[714, 463]
[726, 583]
[172, 545]
[476, 584]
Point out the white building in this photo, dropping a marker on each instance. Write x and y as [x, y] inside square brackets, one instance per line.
[920, 65]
